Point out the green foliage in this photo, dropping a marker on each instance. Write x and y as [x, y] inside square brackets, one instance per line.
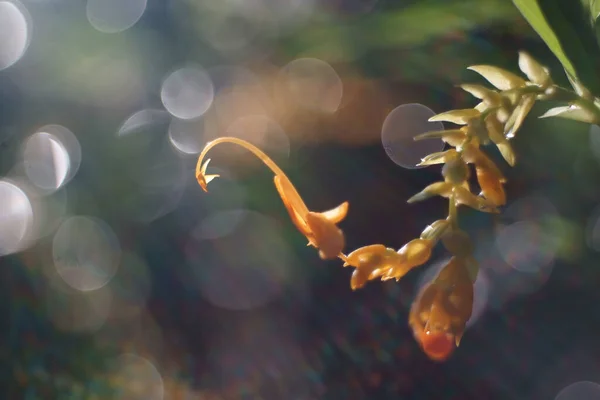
[567, 28]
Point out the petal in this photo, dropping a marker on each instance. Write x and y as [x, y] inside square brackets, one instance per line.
[359, 279]
[500, 78]
[473, 154]
[204, 166]
[481, 107]
[438, 346]
[439, 157]
[518, 116]
[459, 117]
[491, 188]
[507, 152]
[463, 196]
[535, 72]
[571, 112]
[456, 272]
[337, 214]
[489, 96]
[202, 178]
[328, 238]
[496, 134]
[443, 189]
[209, 178]
[454, 137]
[354, 258]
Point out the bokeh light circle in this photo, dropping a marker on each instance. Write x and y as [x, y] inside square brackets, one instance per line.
[526, 246]
[113, 16]
[86, 252]
[71, 146]
[583, 390]
[398, 132]
[47, 161]
[142, 120]
[187, 135]
[15, 31]
[313, 84]
[261, 131]
[16, 217]
[187, 93]
[137, 378]
[218, 225]
[78, 312]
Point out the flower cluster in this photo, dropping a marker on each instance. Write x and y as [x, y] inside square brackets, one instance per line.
[443, 307]
[441, 310]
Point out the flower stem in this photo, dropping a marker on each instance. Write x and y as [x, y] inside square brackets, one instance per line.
[452, 212]
[262, 157]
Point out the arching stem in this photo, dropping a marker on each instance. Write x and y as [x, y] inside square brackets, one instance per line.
[297, 200]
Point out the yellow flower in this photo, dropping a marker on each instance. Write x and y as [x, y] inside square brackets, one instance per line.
[320, 228]
[441, 310]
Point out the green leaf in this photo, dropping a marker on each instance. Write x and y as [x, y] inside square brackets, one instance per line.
[532, 12]
[565, 27]
[593, 8]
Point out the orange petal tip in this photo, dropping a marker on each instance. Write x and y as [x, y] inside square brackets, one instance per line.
[437, 345]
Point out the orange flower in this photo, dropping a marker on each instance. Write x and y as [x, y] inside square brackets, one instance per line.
[320, 228]
[377, 261]
[371, 262]
[441, 310]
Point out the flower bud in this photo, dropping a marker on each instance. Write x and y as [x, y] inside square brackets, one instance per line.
[440, 312]
[535, 72]
[416, 252]
[458, 243]
[434, 231]
[455, 171]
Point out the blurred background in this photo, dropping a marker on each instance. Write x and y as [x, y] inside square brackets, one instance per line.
[121, 279]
